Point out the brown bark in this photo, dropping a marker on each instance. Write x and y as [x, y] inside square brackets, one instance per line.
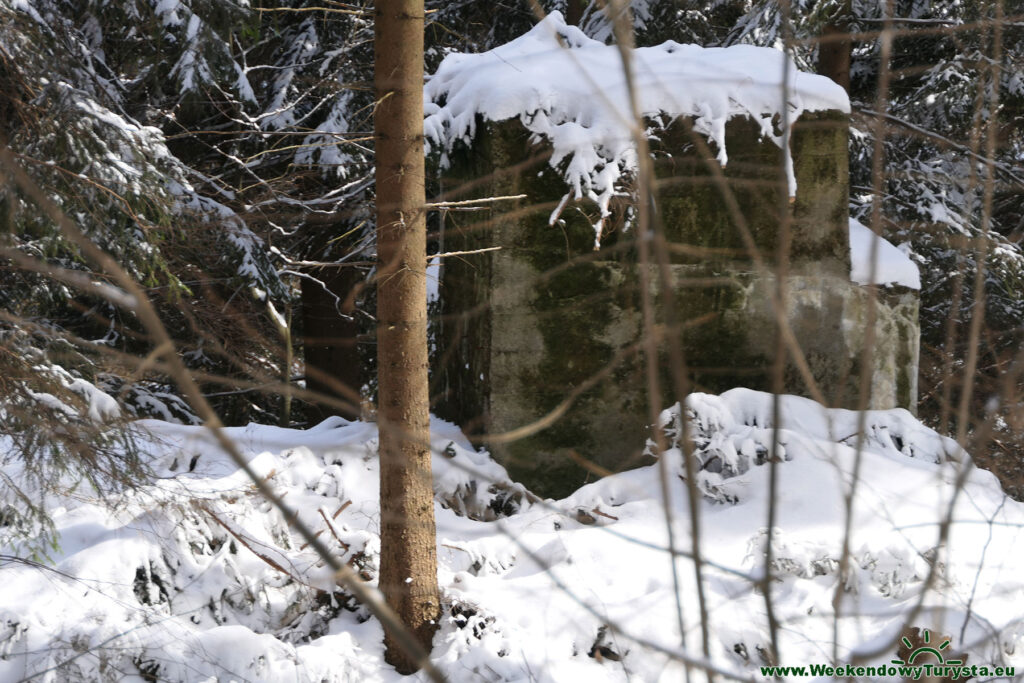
[408, 565]
[836, 47]
[329, 341]
[574, 12]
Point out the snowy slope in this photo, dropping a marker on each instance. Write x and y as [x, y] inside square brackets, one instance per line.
[178, 579]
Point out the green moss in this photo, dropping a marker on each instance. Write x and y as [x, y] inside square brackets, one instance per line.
[695, 207]
[547, 473]
[573, 322]
[718, 351]
[580, 310]
[820, 215]
[904, 366]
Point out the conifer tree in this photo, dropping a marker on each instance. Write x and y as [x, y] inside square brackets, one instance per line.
[408, 565]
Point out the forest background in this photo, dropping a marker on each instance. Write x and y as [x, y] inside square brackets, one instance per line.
[222, 153]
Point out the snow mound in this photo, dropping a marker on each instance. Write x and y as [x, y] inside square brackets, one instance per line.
[194, 578]
[570, 90]
[892, 266]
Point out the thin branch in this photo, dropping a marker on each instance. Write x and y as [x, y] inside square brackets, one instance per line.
[462, 253]
[472, 202]
[1010, 171]
[331, 10]
[867, 363]
[622, 26]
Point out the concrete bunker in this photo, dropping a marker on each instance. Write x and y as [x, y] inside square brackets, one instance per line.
[544, 336]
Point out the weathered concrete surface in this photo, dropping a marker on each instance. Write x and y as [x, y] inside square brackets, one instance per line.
[695, 210]
[543, 338]
[896, 351]
[829, 316]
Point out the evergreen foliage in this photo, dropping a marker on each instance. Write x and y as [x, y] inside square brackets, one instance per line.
[221, 151]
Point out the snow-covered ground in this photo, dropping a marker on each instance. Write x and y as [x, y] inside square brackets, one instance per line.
[176, 581]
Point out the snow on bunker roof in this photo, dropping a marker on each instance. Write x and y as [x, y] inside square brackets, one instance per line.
[571, 90]
[892, 266]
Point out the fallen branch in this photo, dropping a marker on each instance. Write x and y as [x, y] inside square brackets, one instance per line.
[334, 516]
[241, 538]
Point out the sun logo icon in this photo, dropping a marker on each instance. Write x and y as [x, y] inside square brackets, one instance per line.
[926, 648]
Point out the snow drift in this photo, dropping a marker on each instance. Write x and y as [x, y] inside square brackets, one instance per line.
[194, 578]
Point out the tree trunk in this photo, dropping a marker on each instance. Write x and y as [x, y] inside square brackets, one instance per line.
[408, 564]
[329, 341]
[835, 49]
[574, 12]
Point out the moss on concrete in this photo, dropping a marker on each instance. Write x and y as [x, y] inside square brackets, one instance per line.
[820, 212]
[693, 205]
[537, 321]
[716, 339]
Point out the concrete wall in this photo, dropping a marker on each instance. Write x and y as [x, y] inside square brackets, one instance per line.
[547, 326]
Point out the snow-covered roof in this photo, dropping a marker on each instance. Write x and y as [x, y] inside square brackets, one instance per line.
[892, 266]
[570, 90]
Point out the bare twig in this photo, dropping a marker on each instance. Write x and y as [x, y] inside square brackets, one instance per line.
[472, 202]
[646, 228]
[867, 362]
